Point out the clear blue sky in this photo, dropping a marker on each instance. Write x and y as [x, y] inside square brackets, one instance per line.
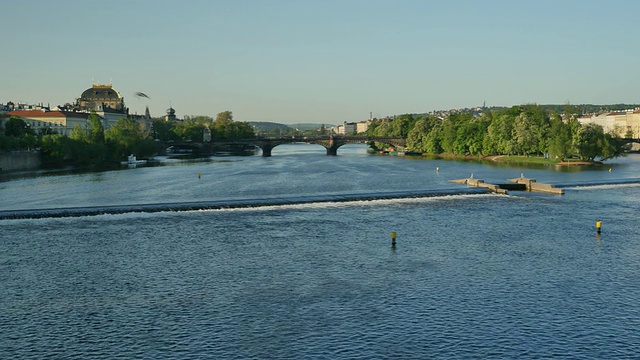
[323, 61]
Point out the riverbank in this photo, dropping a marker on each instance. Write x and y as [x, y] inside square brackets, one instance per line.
[513, 159]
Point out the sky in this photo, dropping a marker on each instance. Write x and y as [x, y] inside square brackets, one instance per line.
[321, 61]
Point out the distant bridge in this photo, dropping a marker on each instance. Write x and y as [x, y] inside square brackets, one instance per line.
[633, 144]
[331, 143]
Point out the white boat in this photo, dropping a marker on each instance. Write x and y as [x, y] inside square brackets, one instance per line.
[132, 160]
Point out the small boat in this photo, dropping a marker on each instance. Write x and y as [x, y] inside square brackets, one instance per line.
[132, 160]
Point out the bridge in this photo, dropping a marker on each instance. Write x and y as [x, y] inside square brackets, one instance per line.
[330, 142]
[633, 144]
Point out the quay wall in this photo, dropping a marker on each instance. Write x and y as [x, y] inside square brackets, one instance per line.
[19, 160]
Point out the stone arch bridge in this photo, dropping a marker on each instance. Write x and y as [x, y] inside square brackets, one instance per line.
[331, 143]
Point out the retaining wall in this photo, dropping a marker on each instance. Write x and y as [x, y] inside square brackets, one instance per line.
[19, 160]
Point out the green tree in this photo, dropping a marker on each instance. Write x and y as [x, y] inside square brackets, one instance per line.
[559, 139]
[417, 137]
[54, 149]
[163, 130]
[450, 142]
[433, 141]
[223, 119]
[524, 134]
[126, 137]
[8, 143]
[239, 130]
[191, 131]
[17, 127]
[401, 125]
[79, 133]
[470, 136]
[95, 130]
[587, 141]
[199, 119]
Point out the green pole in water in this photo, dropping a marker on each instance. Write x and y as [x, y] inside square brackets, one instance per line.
[393, 239]
[598, 226]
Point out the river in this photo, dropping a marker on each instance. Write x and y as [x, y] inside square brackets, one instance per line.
[472, 275]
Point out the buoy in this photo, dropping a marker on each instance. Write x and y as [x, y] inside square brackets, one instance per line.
[598, 226]
[393, 239]
[437, 169]
[609, 169]
[198, 174]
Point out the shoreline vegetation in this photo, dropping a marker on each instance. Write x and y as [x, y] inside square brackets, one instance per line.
[512, 159]
[536, 133]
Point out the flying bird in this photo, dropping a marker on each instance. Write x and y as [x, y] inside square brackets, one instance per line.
[142, 95]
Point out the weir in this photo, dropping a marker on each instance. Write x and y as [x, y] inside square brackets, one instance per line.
[532, 185]
[228, 204]
[517, 184]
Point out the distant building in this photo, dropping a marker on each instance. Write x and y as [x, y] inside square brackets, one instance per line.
[621, 123]
[100, 97]
[350, 128]
[171, 114]
[362, 126]
[106, 101]
[61, 122]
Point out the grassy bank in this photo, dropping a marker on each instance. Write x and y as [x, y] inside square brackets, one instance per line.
[515, 159]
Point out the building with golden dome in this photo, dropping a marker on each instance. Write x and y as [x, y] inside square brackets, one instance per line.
[101, 97]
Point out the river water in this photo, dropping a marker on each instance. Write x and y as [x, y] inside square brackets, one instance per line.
[472, 275]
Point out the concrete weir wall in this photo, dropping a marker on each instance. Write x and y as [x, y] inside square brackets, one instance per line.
[23, 160]
[521, 183]
[532, 185]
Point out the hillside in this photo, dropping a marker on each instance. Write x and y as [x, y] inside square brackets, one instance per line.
[265, 126]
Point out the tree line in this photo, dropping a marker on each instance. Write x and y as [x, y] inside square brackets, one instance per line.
[192, 128]
[93, 145]
[519, 130]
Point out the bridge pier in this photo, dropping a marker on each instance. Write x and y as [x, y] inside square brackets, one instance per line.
[332, 150]
[266, 149]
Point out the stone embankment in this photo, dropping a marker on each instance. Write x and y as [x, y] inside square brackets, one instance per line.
[23, 160]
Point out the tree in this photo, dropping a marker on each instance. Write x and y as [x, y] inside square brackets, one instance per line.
[78, 133]
[162, 130]
[524, 134]
[499, 139]
[416, 139]
[239, 130]
[191, 131]
[590, 142]
[95, 130]
[433, 140]
[401, 125]
[54, 148]
[559, 138]
[17, 127]
[611, 147]
[223, 119]
[127, 137]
